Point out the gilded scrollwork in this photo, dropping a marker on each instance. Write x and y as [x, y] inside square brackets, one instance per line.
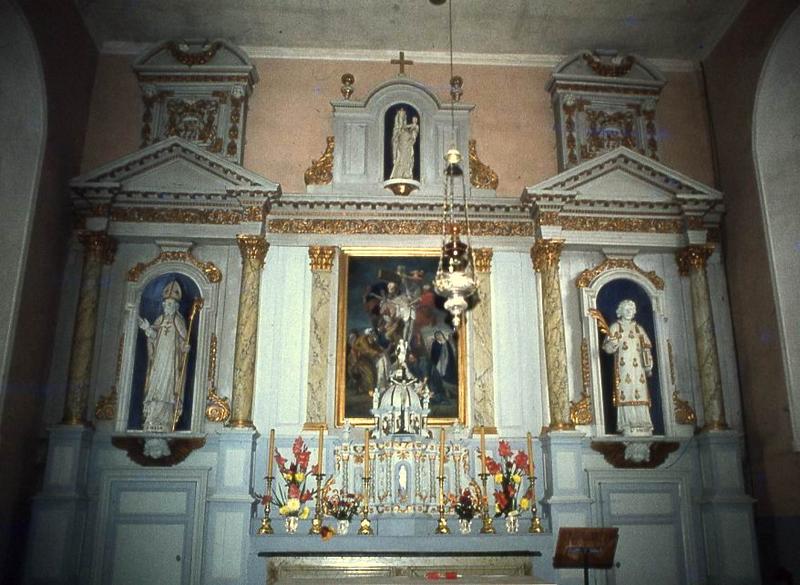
[481, 175]
[588, 276]
[213, 274]
[218, 407]
[177, 215]
[607, 131]
[321, 170]
[684, 413]
[194, 120]
[614, 67]
[106, 407]
[184, 56]
[253, 247]
[580, 412]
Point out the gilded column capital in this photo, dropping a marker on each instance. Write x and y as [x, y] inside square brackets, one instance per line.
[99, 245]
[693, 257]
[321, 257]
[546, 254]
[483, 259]
[252, 247]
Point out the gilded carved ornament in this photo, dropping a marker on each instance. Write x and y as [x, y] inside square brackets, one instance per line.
[588, 276]
[546, 253]
[178, 215]
[611, 224]
[406, 227]
[182, 54]
[99, 244]
[321, 170]
[693, 257]
[580, 412]
[321, 257]
[483, 259]
[213, 274]
[252, 247]
[106, 407]
[218, 408]
[615, 67]
[684, 413]
[481, 175]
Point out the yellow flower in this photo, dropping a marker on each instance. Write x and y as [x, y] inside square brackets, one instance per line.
[304, 513]
[287, 476]
[299, 477]
[498, 477]
[292, 505]
[283, 510]
[524, 503]
[516, 477]
[497, 508]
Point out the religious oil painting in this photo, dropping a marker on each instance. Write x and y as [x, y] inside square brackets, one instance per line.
[628, 360]
[163, 373]
[391, 324]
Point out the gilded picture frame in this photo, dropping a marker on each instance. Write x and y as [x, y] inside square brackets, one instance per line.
[385, 295]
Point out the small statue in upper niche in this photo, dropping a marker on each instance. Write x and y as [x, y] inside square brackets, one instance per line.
[404, 137]
[633, 364]
[167, 350]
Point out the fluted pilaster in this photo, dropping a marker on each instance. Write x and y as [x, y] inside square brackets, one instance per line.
[482, 356]
[254, 251]
[545, 255]
[692, 263]
[321, 265]
[98, 249]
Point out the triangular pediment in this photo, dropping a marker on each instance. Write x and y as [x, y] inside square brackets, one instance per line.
[624, 175]
[173, 166]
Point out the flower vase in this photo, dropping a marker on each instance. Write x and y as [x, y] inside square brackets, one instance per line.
[342, 526]
[512, 523]
[465, 525]
[291, 523]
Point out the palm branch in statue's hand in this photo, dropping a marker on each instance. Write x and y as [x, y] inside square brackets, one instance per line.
[602, 324]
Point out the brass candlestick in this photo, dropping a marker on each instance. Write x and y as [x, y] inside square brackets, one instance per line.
[536, 523]
[488, 524]
[266, 524]
[316, 522]
[441, 526]
[365, 526]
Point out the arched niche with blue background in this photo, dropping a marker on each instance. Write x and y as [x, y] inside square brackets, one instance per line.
[150, 308]
[610, 295]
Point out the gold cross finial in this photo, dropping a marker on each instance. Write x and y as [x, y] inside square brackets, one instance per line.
[402, 62]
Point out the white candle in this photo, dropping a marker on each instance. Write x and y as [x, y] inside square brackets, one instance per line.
[366, 452]
[530, 456]
[271, 452]
[319, 448]
[483, 450]
[441, 452]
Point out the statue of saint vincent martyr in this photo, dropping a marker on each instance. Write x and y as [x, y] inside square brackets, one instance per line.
[167, 350]
[633, 364]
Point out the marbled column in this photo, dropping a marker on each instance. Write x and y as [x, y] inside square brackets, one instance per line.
[482, 357]
[253, 250]
[98, 249]
[545, 255]
[321, 265]
[692, 263]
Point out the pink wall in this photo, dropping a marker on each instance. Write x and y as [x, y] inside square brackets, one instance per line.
[733, 71]
[289, 117]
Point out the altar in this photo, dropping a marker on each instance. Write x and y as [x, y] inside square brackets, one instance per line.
[394, 559]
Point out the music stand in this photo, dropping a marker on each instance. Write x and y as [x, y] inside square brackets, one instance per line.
[586, 548]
